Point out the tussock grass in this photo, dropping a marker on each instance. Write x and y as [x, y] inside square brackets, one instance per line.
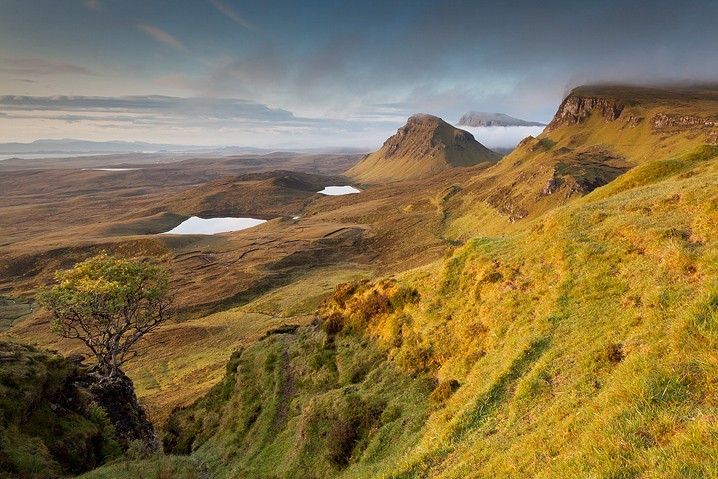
[583, 345]
[161, 467]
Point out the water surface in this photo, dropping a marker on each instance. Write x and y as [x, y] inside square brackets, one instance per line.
[111, 169]
[339, 190]
[209, 226]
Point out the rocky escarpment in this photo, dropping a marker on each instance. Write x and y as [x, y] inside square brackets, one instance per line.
[671, 123]
[575, 109]
[583, 102]
[663, 121]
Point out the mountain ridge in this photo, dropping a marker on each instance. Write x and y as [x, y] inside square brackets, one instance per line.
[72, 146]
[482, 118]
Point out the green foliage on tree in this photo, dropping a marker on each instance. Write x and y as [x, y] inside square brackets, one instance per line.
[109, 304]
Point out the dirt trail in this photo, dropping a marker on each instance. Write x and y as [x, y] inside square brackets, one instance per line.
[287, 388]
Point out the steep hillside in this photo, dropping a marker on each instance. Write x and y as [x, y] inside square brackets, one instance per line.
[597, 134]
[579, 343]
[425, 146]
[569, 330]
[582, 345]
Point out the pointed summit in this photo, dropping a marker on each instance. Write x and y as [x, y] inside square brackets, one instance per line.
[425, 146]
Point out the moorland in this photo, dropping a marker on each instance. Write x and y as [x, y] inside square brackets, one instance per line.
[551, 313]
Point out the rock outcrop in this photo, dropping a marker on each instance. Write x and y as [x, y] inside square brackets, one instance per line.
[663, 121]
[116, 397]
[57, 419]
[575, 109]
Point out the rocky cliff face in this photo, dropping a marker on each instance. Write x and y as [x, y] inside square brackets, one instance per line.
[575, 109]
[673, 123]
[663, 121]
[116, 397]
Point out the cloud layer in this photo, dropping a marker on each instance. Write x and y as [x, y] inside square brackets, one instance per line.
[353, 65]
[209, 121]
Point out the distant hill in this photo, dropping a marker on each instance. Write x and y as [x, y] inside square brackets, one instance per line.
[482, 118]
[259, 195]
[424, 146]
[70, 146]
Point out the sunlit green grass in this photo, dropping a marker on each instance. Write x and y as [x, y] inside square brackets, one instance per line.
[160, 467]
[584, 344]
[186, 359]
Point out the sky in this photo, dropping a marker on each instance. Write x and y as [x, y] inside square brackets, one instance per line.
[317, 73]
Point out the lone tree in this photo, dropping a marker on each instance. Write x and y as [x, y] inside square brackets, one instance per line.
[108, 304]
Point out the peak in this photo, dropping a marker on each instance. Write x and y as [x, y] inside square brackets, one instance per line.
[424, 119]
[424, 146]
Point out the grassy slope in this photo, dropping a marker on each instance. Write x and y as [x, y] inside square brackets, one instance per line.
[12, 310]
[168, 379]
[183, 360]
[601, 362]
[584, 346]
[161, 467]
[595, 148]
[537, 327]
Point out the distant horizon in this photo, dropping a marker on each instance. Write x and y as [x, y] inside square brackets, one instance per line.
[279, 74]
[500, 137]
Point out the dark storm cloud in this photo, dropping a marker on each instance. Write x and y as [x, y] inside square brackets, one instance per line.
[520, 52]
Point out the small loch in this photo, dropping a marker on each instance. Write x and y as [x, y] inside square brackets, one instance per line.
[339, 190]
[210, 226]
